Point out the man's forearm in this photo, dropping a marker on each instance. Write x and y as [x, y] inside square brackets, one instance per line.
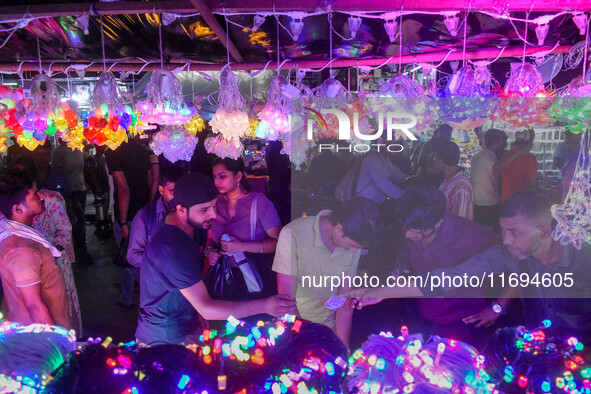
[40, 314]
[221, 310]
[123, 198]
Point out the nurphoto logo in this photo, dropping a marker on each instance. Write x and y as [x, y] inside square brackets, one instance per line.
[388, 123]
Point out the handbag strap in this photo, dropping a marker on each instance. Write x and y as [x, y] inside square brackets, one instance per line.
[253, 217]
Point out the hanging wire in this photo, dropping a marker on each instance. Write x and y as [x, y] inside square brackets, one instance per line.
[526, 25]
[330, 42]
[69, 86]
[103, 44]
[278, 47]
[400, 38]
[160, 37]
[586, 47]
[39, 55]
[227, 39]
[192, 84]
[465, 35]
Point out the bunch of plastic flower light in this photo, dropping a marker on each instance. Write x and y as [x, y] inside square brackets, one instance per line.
[107, 102]
[29, 354]
[277, 111]
[524, 361]
[572, 108]
[279, 356]
[104, 129]
[386, 364]
[524, 101]
[574, 215]
[467, 96]
[45, 115]
[11, 104]
[165, 104]
[175, 142]
[195, 124]
[230, 121]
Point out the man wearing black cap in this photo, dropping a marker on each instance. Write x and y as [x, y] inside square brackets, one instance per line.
[172, 292]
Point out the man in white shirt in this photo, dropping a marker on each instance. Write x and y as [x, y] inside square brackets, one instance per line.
[485, 168]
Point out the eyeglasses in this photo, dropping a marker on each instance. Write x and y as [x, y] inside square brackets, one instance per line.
[418, 233]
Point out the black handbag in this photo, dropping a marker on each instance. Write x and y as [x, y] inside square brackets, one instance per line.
[224, 282]
[261, 264]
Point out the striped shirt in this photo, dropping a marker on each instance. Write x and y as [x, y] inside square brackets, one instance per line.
[458, 194]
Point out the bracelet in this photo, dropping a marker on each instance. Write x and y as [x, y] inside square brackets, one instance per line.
[123, 224]
[262, 247]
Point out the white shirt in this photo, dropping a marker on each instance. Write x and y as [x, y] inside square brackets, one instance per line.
[485, 181]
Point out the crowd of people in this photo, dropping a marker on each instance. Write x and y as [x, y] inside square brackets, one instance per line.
[203, 245]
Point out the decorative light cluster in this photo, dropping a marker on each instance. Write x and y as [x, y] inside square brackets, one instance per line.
[573, 217]
[276, 113]
[407, 364]
[175, 142]
[46, 353]
[105, 129]
[253, 345]
[573, 108]
[543, 364]
[524, 100]
[467, 96]
[165, 104]
[230, 122]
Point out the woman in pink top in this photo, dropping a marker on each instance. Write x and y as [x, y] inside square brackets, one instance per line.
[249, 218]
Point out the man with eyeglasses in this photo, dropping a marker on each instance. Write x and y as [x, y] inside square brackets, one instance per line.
[434, 239]
[33, 284]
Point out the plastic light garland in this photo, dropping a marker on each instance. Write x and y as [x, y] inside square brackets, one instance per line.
[283, 355]
[572, 108]
[406, 364]
[277, 110]
[524, 100]
[525, 361]
[28, 354]
[574, 216]
[165, 104]
[104, 129]
[175, 142]
[45, 116]
[195, 124]
[467, 96]
[217, 145]
[230, 122]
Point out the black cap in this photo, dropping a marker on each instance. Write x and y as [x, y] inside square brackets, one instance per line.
[192, 189]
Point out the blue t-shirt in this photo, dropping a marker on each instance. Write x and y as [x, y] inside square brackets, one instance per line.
[172, 262]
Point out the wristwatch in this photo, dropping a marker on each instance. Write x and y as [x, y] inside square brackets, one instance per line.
[497, 308]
